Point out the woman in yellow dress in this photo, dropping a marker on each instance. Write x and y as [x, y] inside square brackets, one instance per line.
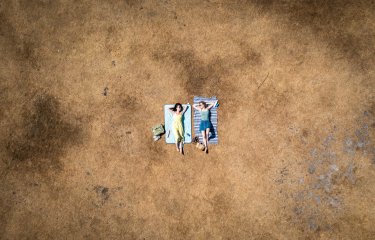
[177, 126]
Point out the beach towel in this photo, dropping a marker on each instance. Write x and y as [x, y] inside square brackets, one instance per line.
[213, 137]
[186, 120]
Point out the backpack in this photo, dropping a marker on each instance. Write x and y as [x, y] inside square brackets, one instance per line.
[158, 130]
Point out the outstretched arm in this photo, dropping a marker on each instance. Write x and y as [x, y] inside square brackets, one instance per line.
[212, 104]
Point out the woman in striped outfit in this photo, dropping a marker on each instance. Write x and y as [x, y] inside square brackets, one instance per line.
[205, 125]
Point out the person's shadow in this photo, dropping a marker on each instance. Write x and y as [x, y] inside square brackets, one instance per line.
[183, 125]
[212, 130]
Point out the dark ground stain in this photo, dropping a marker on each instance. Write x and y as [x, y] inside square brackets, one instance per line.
[44, 136]
[51, 18]
[198, 77]
[8, 31]
[102, 192]
[25, 48]
[264, 5]
[34, 4]
[5, 211]
[112, 40]
[132, 3]
[284, 172]
[105, 91]
[207, 77]
[221, 204]
[130, 103]
[305, 133]
[251, 56]
[370, 111]
[27, 51]
[127, 110]
[330, 21]
[6, 28]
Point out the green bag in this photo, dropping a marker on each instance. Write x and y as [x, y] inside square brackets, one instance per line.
[158, 130]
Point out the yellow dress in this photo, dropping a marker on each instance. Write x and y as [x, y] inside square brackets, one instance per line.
[177, 128]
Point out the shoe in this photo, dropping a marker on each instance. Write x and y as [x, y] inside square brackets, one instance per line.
[156, 137]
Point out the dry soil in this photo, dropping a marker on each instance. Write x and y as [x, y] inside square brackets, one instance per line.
[83, 81]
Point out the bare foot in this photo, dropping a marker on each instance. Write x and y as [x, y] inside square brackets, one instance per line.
[206, 150]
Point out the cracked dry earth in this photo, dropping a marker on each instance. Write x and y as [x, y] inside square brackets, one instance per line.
[82, 82]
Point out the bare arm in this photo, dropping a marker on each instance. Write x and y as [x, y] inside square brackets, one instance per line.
[212, 104]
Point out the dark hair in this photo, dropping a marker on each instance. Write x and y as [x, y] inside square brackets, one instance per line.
[204, 103]
[174, 109]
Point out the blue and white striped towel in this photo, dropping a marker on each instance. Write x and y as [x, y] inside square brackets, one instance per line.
[213, 137]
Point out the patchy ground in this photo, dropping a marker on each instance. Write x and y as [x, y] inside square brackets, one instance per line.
[82, 82]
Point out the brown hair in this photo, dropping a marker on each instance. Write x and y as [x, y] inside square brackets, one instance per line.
[203, 103]
[174, 109]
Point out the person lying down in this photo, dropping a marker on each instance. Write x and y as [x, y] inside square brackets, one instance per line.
[205, 124]
[177, 125]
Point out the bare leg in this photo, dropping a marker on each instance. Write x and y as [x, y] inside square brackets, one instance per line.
[175, 134]
[177, 146]
[207, 134]
[204, 139]
[181, 148]
[181, 139]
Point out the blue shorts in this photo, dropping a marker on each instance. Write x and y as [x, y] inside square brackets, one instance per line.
[204, 125]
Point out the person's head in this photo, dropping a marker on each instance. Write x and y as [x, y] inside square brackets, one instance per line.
[177, 107]
[202, 104]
